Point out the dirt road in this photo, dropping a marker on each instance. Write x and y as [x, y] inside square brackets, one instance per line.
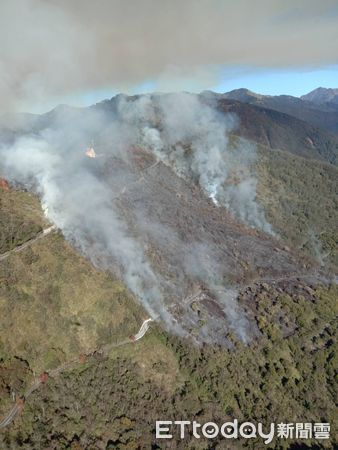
[43, 378]
[26, 244]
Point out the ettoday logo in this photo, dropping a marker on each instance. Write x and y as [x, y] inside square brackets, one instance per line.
[210, 430]
[246, 430]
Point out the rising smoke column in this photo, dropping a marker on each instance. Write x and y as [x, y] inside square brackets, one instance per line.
[182, 132]
[79, 203]
[193, 139]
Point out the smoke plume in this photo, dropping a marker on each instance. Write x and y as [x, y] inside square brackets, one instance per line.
[193, 139]
[51, 49]
[89, 198]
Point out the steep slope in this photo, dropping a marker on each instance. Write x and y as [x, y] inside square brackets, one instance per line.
[300, 201]
[281, 131]
[255, 304]
[199, 251]
[112, 402]
[279, 122]
[53, 303]
[50, 316]
[319, 114]
[19, 219]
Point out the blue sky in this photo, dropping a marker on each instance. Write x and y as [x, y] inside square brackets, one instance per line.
[273, 47]
[276, 82]
[294, 82]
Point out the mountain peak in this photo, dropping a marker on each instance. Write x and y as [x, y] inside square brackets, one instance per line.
[322, 95]
[242, 94]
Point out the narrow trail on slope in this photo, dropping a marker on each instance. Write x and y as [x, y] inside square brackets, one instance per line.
[26, 244]
[52, 228]
[44, 376]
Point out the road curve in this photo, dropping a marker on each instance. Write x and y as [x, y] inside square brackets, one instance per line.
[43, 378]
[21, 247]
[142, 331]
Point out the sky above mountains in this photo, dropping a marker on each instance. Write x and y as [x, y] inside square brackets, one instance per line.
[295, 82]
[79, 52]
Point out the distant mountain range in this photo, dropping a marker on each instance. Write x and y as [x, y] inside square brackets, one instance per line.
[319, 107]
[306, 126]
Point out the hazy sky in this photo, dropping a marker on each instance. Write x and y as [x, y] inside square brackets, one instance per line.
[81, 51]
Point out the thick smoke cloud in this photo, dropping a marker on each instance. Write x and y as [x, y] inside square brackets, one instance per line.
[80, 204]
[51, 48]
[193, 141]
[81, 195]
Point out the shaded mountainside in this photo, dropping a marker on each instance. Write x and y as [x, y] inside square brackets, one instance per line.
[278, 122]
[276, 128]
[300, 200]
[280, 131]
[320, 114]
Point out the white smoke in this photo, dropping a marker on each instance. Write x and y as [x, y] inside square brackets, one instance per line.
[193, 139]
[81, 196]
[78, 203]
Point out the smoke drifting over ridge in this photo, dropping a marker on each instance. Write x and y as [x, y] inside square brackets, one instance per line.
[194, 142]
[82, 196]
[54, 48]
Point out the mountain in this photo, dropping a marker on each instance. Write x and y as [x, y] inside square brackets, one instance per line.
[61, 316]
[278, 130]
[266, 125]
[280, 122]
[322, 95]
[244, 278]
[243, 95]
[323, 115]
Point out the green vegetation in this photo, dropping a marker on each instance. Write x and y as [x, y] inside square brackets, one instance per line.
[300, 199]
[53, 303]
[54, 306]
[20, 218]
[114, 402]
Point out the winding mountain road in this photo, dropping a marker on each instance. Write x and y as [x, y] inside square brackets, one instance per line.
[26, 244]
[43, 378]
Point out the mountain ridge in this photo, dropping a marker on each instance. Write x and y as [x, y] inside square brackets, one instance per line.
[323, 115]
[322, 95]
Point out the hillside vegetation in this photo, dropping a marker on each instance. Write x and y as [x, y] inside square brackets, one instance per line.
[20, 218]
[300, 199]
[54, 305]
[113, 403]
